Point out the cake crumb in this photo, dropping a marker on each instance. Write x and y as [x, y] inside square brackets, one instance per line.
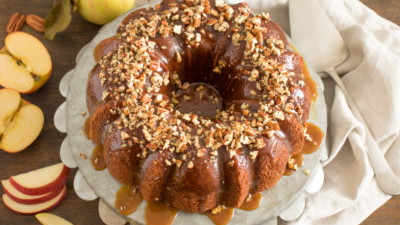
[306, 172]
[83, 156]
[218, 209]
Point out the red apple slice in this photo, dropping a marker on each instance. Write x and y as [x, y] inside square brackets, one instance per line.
[17, 196]
[41, 181]
[35, 208]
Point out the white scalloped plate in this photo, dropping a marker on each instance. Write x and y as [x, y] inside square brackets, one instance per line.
[105, 186]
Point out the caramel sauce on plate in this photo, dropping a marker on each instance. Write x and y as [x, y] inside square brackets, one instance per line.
[127, 200]
[316, 135]
[253, 203]
[298, 160]
[97, 158]
[310, 146]
[86, 126]
[159, 214]
[223, 217]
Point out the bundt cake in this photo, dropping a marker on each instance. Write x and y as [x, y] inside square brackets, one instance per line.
[197, 103]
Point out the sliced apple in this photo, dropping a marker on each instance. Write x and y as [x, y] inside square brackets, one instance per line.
[10, 101]
[23, 129]
[35, 208]
[20, 121]
[14, 75]
[25, 63]
[51, 219]
[20, 197]
[41, 181]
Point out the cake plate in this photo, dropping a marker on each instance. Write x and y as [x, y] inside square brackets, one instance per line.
[286, 199]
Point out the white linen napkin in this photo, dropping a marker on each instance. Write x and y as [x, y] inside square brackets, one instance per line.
[372, 76]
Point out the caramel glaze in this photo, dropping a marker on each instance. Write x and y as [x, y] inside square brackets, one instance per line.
[316, 135]
[253, 203]
[97, 158]
[298, 160]
[208, 183]
[311, 144]
[226, 215]
[159, 214]
[310, 83]
[127, 200]
[223, 217]
[156, 213]
[106, 46]
[199, 98]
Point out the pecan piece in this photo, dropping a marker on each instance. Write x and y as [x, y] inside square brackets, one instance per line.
[35, 22]
[15, 22]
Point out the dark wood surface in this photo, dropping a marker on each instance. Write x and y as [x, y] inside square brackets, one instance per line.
[45, 150]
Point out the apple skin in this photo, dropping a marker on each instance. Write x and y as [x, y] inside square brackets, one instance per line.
[39, 82]
[32, 199]
[34, 208]
[103, 11]
[54, 185]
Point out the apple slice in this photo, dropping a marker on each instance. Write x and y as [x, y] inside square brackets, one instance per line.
[41, 181]
[25, 63]
[51, 219]
[35, 208]
[10, 101]
[17, 196]
[30, 51]
[14, 75]
[23, 129]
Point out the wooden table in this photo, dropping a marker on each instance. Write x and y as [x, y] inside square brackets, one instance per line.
[45, 150]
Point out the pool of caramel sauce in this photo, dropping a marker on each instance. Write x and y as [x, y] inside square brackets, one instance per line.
[127, 200]
[97, 158]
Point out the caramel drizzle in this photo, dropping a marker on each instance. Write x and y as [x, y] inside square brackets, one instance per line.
[223, 217]
[97, 158]
[313, 140]
[253, 203]
[159, 214]
[127, 200]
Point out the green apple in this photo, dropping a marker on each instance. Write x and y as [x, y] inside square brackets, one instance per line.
[103, 11]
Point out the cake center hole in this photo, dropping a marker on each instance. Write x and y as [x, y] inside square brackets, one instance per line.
[198, 98]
